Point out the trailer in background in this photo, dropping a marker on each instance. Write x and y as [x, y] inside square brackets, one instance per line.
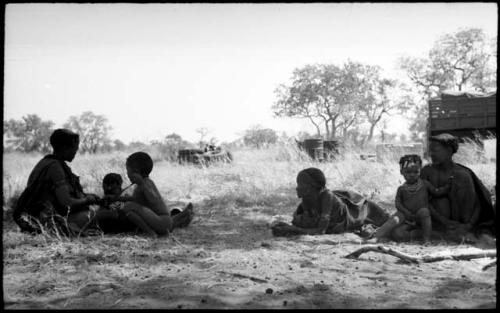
[463, 114]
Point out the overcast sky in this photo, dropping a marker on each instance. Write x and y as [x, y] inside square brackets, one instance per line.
[155, 69]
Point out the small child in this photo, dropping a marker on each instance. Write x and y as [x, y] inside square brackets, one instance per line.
[110, 216]
[146, 208]
[112, 186]
[412, 199]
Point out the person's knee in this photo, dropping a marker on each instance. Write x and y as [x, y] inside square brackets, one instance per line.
[400, 234]
[398, 218]
[131, 207]
[423, 213]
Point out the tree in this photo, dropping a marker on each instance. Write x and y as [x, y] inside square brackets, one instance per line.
[203, 131]
[29, 134]
[326, 94]
[462, 61]
[383, 97]
[259, 137]
[92, 128]
[119, 145]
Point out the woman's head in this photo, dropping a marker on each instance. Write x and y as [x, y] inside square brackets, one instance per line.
[442, 147]
[140, 163]
[310, 180]
[65, 143]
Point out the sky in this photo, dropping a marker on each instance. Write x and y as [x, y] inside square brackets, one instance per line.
[156, 69]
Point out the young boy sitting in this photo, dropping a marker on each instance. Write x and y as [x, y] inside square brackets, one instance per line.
[110, 216]
[146, 208]
[412, 200]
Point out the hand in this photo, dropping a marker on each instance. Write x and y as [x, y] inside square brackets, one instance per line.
[92, 199]
[285, 230]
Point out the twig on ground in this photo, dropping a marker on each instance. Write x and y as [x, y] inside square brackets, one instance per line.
[255, 279]
[178, 242]
[487, 266]
[424, 258]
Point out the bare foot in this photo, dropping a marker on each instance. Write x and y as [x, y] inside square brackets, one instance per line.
[185, 217]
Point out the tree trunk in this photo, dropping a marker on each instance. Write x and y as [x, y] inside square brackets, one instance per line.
[370, 134]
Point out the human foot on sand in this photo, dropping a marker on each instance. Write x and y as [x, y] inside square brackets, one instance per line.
[182, 219]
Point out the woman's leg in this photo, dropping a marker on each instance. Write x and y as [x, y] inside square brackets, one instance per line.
[81, 219]
[147, 220]
[391, 223]
[402, 233]
[424, 220]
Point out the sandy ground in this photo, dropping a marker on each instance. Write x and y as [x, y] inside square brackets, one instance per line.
[228, 259]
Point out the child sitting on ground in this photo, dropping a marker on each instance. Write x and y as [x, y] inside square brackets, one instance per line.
[146, 208]
[110, 216]
[412, 200]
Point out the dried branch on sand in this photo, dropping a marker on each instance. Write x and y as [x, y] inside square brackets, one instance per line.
[423, 258]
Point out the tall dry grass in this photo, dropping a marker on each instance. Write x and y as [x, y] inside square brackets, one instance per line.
[262, 177]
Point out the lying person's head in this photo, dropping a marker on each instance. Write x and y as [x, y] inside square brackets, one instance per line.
[139, 163]
[410, 166]
[310, 181]
[65, 143]
[112, 184]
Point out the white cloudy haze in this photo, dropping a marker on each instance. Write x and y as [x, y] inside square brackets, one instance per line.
[155, 69]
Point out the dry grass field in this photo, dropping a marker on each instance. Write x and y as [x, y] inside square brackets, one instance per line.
[227, 258]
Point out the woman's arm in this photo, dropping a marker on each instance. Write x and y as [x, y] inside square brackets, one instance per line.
[328, 201]
[443, 220]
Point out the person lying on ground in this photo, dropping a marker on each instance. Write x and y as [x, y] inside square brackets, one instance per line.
[146, 207]
[324, 211]
[412, 201]
[53, 195]
[468, 207]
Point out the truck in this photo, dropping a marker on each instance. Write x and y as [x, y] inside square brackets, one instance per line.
[463, 115]
[210, 154]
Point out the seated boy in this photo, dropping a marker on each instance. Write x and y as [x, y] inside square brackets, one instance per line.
[412, 200]
[110, 217]
[146, 208]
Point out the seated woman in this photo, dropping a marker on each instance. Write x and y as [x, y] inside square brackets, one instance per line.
[466, 209]
[53, 192]
[323, 211]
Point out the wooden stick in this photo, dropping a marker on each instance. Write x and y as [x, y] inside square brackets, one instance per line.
[255, 279]
[424, 258]
[487, 266]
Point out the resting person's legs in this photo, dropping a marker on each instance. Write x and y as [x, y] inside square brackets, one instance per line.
[113, 222]
[81, 219]
[376, 214]
[147, 220]
[402, 233]
[424, 220]
[392, 222]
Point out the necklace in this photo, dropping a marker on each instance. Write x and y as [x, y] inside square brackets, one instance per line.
[413, 188]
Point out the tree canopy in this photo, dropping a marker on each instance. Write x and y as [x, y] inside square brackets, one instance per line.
[29, 134]
[461, 61]
[92, 128]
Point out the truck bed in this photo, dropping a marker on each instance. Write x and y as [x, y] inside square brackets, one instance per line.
[462, 111]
